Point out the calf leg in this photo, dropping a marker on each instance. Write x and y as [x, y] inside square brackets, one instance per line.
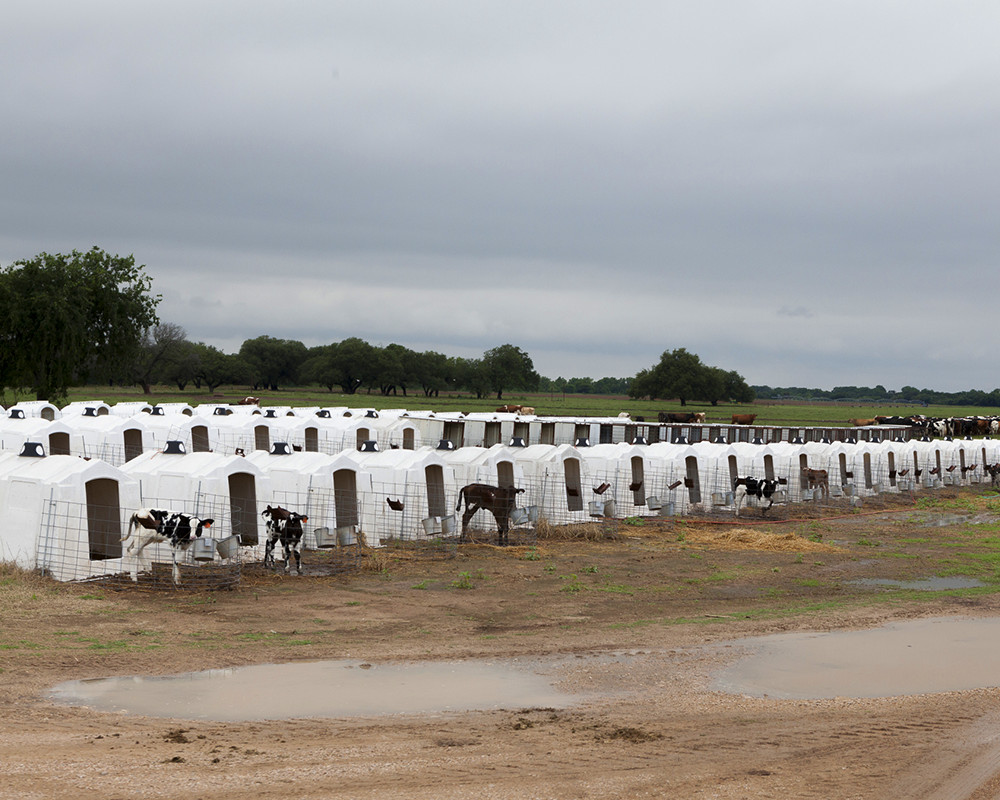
[502, 526]
[470, 512]
[269, 552]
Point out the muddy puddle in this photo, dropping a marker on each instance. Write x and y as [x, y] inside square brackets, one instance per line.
[902, 658]
[325, 689]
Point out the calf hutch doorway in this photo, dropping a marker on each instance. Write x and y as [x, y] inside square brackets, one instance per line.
[104, 527]
[436, 505]
[243, 506]
[345, 499]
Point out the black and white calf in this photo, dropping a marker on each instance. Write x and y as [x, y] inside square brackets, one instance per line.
[286, 527]
[754, 491]
[153, 525]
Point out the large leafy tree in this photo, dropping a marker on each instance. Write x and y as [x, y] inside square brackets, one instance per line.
[273, 361]
[65, 318]
[682, 375]
[348, 364]
[509, 367]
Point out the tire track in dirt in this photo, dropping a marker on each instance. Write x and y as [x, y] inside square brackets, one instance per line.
[965, 766]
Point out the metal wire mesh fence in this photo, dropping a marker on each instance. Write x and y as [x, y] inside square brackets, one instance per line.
[91, 542]
[432, 517]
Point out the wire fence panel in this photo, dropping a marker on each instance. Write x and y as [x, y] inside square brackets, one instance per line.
[88, 542]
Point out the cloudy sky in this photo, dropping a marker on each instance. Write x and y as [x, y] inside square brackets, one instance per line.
[806, 193]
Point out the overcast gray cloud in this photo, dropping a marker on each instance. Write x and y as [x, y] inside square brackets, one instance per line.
[802, 192]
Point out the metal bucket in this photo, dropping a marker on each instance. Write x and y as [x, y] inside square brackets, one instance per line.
[533, 512]
[610, 508]
[228, 547]
[347, 534]
[667, 510]
[203, 549]
[653, 503]
[324, 538]
[432, 525]
[518, 516]
[448, 524]
[596, 508]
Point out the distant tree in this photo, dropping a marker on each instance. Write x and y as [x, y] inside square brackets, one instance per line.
[431, 372]
[65, 318]
[737, 390]
[679, 374]
[471, 374]
[349, 364]
[682, 375]
[273, 361]
[162, 348]
[509, 367]
[213, 368]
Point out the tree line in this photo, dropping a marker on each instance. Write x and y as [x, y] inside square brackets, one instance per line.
[89, 317]
[879, 394]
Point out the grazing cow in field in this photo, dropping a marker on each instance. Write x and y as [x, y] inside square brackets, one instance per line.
[152, 525]
[817, 479]
[508, 409]
[682, 417]
[249, 401]
[498, 500]
[526, 411]
[744, 419]
[624, 415]
[286, 527]
[861, 423]
[754, 491]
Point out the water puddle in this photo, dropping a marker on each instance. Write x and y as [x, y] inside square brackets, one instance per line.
[902, 658]
[323, 689]
[922, 585]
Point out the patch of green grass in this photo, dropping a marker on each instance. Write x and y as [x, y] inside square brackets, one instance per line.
[531, 555]
[463, 581]
[572, 583]
[421, 585]
[590, 570]
[864, 542]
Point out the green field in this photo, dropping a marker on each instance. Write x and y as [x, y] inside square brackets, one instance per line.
[768, 412]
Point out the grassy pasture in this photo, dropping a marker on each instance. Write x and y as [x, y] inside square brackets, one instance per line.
[768, 412]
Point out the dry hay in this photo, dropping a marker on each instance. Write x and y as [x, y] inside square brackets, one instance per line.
[583, 531]
[747, 539]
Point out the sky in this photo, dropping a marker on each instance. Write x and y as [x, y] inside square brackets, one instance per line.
[805, 193]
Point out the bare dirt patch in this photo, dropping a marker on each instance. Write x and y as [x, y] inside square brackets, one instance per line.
[670, 593]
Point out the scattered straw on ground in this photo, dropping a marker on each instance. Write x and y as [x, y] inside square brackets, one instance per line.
[747, 539]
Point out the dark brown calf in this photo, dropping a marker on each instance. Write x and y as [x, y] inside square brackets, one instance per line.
[817, 479]
[498, 500]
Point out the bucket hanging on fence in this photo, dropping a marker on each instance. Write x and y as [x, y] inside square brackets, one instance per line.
[228, 547]
[325, 538]
[518, 516]
[203, 549]
[346, 534]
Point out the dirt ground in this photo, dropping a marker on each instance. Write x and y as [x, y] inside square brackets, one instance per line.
[672, 594]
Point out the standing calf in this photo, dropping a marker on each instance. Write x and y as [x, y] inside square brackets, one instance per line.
[284, 526]
[153, 525]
